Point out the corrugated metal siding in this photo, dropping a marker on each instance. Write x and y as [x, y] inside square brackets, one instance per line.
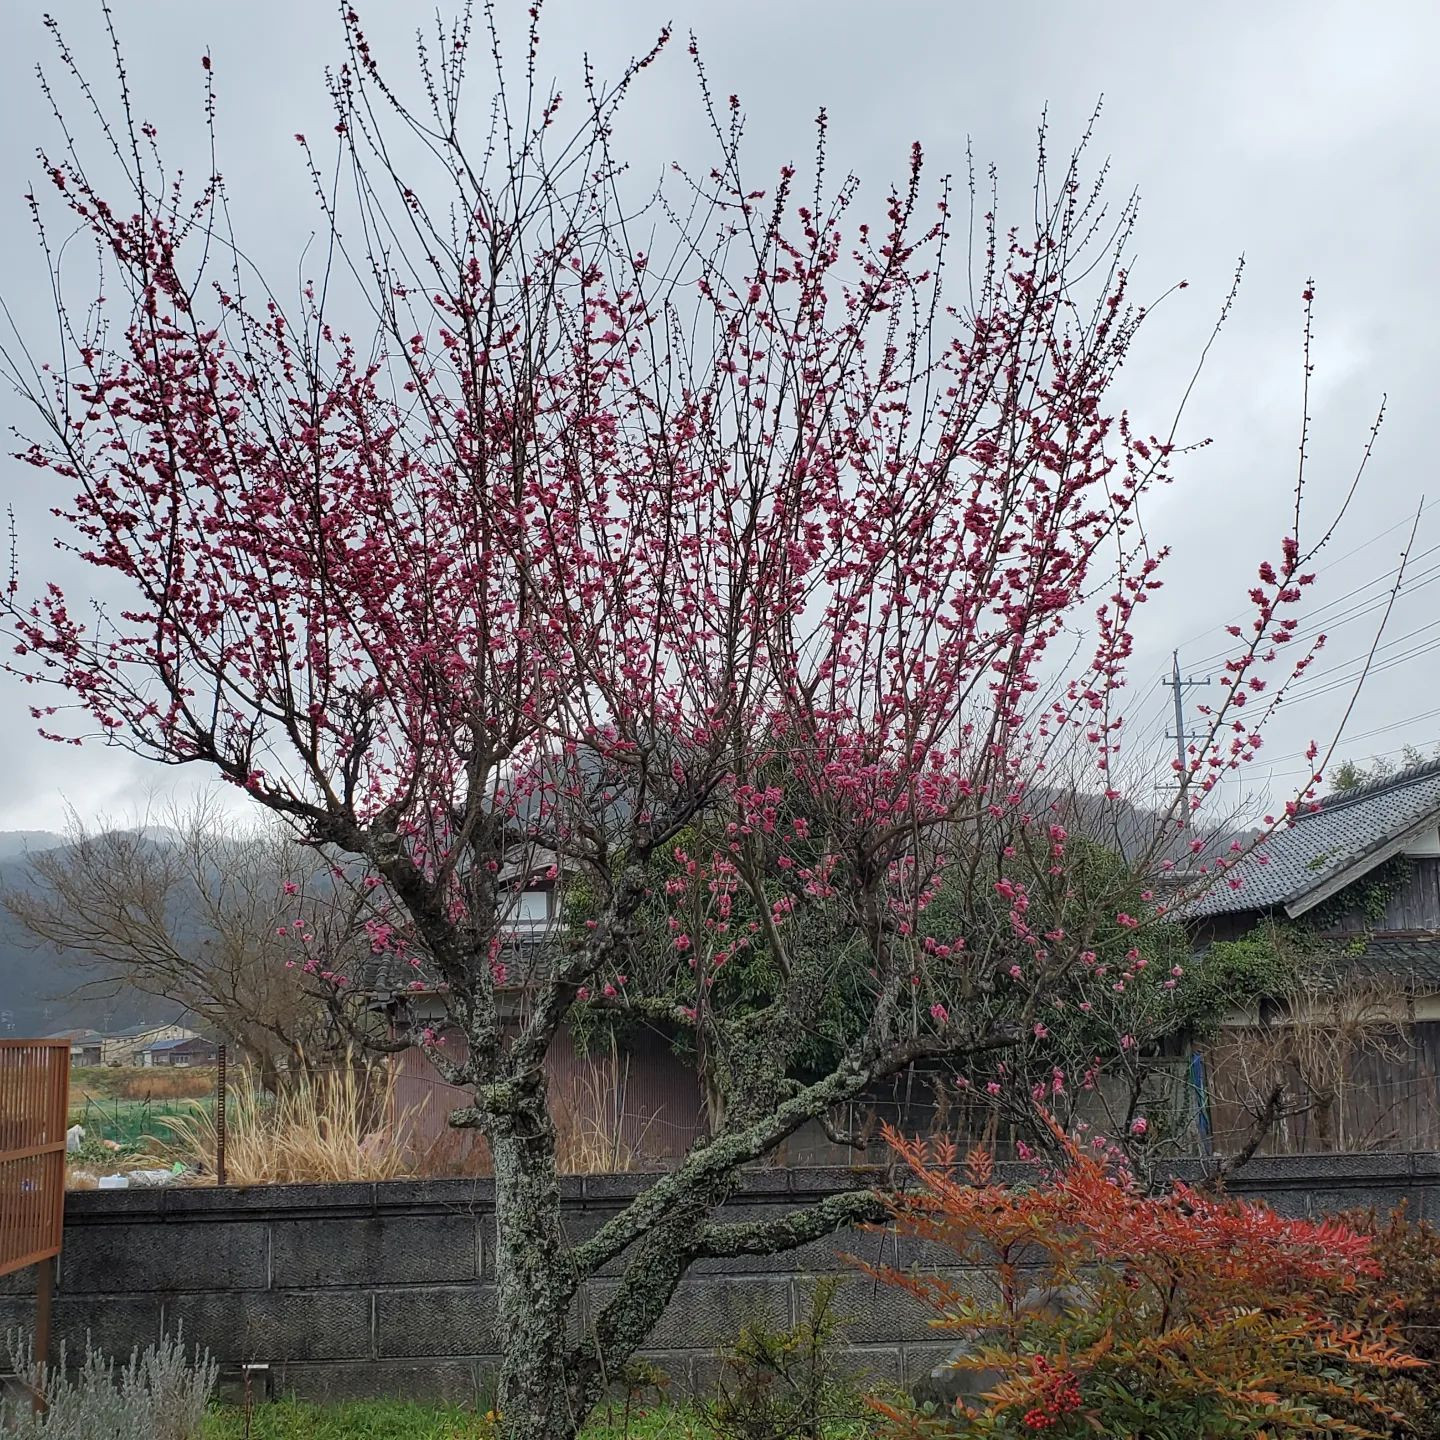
[631, 1108]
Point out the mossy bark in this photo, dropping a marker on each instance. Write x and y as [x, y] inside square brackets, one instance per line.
[534, 1292]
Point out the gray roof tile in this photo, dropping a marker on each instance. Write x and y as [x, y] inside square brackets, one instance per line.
[1320, 844]
[1412, 958]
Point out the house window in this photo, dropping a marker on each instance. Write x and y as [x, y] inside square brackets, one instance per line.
[532, 907]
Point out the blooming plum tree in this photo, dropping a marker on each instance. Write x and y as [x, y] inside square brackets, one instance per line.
[714, 545]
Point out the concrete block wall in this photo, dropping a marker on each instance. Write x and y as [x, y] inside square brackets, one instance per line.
[388, 1289]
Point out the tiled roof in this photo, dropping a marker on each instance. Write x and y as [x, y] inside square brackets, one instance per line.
[1322, 843]
[523, 949]
[1411, 958]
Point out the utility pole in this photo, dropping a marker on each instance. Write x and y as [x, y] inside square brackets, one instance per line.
[1181, 736]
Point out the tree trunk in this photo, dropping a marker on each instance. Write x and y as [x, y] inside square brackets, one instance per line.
[267, 1072]
[713, 1098]
[533, 1287]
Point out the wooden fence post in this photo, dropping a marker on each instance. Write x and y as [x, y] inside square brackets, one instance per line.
[220, 1117]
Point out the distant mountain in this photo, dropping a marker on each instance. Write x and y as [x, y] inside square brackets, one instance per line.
[14, 843]
[37, 985]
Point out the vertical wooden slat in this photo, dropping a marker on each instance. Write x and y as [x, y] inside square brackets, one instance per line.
[34, 1096]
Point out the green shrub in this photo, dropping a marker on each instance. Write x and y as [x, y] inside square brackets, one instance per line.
[786, 1384]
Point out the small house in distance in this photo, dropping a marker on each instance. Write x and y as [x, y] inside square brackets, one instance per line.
[1355, 885]
[85, 1045]
[127, 1046]
[178, 1053]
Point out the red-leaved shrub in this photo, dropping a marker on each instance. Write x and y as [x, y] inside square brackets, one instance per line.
[1177, 1316]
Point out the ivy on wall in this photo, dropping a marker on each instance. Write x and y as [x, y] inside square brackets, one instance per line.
[1369, 896]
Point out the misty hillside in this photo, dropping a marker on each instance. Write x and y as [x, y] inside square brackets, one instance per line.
[15, 843]
[36, 985]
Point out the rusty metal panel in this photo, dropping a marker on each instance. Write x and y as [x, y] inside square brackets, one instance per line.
[627, 1108]
[34, 1100]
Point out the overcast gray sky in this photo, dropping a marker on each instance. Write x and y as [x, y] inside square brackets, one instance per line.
[1304, 135]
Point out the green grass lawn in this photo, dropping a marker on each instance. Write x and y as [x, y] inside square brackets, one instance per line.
[401, 1420]
[368, 1420]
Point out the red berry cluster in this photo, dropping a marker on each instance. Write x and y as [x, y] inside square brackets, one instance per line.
[1058, 1395]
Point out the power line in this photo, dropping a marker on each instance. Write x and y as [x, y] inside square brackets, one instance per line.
[1315, 625]
[1142, 726]
[1329, 565]
[1309, 690]
[1365, 673]
[1368, 665]
[1349, 740]
[1388, 645]
[1380, 755]
[1389, 530]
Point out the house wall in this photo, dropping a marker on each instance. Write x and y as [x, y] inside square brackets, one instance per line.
[125, 1049]
[1385, 1098]
[1416, 906]
[660, 1114]
[1385, 1095]
[1217, 928]
[389, 1289]
[193, 1054]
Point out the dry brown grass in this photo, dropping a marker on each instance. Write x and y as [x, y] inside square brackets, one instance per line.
[333, 1125]
[141, 1082]
[342, 1124]
[452, 1155]
[1326, 1056]
[595, 1132]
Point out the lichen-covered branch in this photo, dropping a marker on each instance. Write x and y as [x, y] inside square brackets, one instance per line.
[668, 1250]
[795, 1228]
[710, 1166]
[838, 1135]
[624, 1320]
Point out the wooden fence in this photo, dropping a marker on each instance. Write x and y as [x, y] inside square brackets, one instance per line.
[1337, 1098]
[34, 1093]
